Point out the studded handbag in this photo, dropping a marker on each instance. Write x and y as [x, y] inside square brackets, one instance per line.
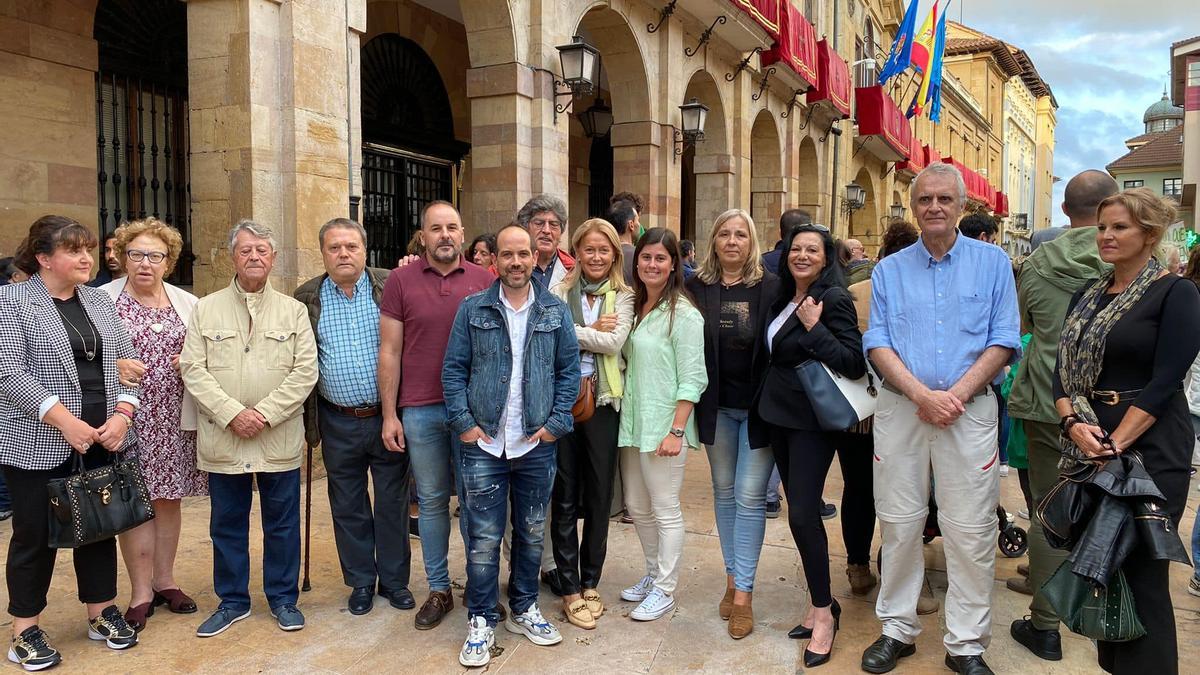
[1099, 612]
[97, 504]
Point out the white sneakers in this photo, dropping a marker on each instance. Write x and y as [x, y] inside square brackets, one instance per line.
[477, 649]
[638, 591]
[654, 606]
[534, 626]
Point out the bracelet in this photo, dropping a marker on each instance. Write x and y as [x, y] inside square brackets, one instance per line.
[122, 413]
[1065, 423]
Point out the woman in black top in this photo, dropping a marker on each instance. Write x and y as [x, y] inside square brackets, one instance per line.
[812, 317]
[733, 293]
[59, 394]
[1135, 332]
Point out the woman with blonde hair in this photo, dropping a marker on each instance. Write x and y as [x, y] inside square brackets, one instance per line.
[602, 308]
[156, 314]
[1128, 341]
[733, 292]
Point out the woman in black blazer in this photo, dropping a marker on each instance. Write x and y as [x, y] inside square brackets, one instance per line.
[812, 317]
[734, 292]
[59, 395]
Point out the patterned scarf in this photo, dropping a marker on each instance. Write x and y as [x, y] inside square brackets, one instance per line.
[608, 362]
[1081, 349]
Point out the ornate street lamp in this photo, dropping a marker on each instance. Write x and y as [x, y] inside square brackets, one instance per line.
[597, 120]
[898, 211]
[581, 71]
[856, 197]
[692, 117]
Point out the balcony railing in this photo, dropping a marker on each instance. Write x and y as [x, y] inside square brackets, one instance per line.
[866, 73]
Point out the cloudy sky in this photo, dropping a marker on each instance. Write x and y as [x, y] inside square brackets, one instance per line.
[1105, 60]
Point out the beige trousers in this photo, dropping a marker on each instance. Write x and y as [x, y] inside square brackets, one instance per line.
[963, 462]
[652, 486]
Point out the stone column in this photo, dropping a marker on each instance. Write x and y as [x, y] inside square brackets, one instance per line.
[270, 123]
[501, 159]
[716, 189]
[636, 156]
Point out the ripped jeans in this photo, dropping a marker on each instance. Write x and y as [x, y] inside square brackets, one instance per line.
[490, 484]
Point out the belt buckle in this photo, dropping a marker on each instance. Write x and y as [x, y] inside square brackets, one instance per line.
[1107, 397]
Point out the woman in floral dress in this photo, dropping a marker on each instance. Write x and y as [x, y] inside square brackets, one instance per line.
[156, 315]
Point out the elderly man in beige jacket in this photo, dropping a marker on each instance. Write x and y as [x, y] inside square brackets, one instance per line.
[250, 361]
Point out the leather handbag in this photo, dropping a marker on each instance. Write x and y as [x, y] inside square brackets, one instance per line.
[585, 401]
[838, 401]
[1100, 613]
[97, 504]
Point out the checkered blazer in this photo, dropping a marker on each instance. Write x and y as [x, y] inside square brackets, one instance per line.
[37, 369]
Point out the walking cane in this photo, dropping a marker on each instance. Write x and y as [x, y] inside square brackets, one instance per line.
[306, 586]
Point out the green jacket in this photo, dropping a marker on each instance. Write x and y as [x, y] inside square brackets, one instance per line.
[309, 293]
[1047, 280]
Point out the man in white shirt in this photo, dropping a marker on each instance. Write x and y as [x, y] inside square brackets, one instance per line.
[510, 378]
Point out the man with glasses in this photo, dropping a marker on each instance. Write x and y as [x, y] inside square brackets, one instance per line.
[546, 218]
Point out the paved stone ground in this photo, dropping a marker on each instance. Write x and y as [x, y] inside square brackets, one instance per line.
[692, 639]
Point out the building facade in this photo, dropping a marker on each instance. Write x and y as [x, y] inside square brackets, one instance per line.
[1155, 157]
[1185, 93]
[293, 112]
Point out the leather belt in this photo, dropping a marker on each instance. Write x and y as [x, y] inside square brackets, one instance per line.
[1108, 397]
[360, 411]
[892, 388]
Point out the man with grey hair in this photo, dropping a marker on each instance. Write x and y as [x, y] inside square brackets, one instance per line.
[545, 216]
[343, 414]
[250, 361]
[943, 326]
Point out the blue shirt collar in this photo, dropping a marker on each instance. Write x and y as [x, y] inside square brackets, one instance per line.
[930, 261]
[363, 285]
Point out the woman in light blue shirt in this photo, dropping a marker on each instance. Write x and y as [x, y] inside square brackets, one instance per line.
[664, 378]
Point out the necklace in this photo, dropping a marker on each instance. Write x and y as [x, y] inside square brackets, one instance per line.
[89, 353]
[156, 303]
[730, 284]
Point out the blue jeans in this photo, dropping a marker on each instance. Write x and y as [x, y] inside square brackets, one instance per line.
[773, 485]
[739, 475]
[490, 484]
[431, 449]
[229, 526]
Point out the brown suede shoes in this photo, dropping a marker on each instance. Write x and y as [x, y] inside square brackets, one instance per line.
[725, 609]
[862, 579]
[741, 621]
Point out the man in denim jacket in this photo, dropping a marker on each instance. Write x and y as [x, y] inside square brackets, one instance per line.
[510, 376]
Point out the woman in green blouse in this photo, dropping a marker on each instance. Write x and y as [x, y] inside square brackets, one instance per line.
[664, 378]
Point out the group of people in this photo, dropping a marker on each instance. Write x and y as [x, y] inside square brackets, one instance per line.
[535, 383]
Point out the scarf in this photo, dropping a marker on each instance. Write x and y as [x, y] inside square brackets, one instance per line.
[1081, 348]
[607, 363]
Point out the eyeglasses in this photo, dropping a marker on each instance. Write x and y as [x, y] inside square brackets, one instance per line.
[545, 224]
[155, 257]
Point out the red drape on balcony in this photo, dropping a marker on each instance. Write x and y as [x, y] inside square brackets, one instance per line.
[1001, 204]
[833, 75]
[917, 157]
[796, 47]
[878, 115]
[768, 13]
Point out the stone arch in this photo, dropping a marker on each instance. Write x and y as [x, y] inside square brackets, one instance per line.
[706, 170]
[492, 34]
[809, 178]
[864, 223]
[767, 186]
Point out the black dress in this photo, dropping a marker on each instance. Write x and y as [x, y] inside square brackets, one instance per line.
[1151, 348]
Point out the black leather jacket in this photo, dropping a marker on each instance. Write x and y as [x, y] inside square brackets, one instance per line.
[1101, 513]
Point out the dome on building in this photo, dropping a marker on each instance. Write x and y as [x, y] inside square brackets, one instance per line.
[1163, 115]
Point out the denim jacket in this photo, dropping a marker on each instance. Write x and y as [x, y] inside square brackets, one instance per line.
[478, 357]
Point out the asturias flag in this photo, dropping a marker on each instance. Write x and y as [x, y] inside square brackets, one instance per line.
[922, 57]
[902, 46]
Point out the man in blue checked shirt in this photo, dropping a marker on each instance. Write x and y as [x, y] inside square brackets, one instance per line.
[943, 325]
[344, 413]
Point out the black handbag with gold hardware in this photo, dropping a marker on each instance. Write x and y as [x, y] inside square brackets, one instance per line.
[97, 504]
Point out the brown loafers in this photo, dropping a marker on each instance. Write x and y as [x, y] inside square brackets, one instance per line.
[579, 615]
[725, 609]
[862, 579]
[741, 621]
[594, 604]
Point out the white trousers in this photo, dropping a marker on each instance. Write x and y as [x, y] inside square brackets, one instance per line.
[652, 486]
[964, 460]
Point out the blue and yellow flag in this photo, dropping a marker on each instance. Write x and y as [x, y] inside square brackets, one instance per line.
[922, 58]
[935, 71]
[901, 55]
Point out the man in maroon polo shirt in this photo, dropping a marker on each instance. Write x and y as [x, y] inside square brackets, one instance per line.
[418, 307]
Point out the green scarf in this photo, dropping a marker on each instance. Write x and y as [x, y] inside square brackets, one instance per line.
[608, 362]
[1081, 348]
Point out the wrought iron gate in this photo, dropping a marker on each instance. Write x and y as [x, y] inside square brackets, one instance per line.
[396, 186]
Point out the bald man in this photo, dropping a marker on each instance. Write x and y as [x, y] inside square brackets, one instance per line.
[1046, 282]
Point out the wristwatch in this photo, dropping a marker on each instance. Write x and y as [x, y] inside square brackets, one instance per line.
[677, 432]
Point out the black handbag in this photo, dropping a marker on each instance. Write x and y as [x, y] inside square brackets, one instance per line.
[1066, 509]
[1098, 612]
[838, 401]
[97, 504]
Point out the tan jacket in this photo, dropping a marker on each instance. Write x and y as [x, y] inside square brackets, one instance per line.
[249, 351]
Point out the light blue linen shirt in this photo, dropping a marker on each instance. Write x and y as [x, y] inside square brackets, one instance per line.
[348, 344]
[940, 315]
